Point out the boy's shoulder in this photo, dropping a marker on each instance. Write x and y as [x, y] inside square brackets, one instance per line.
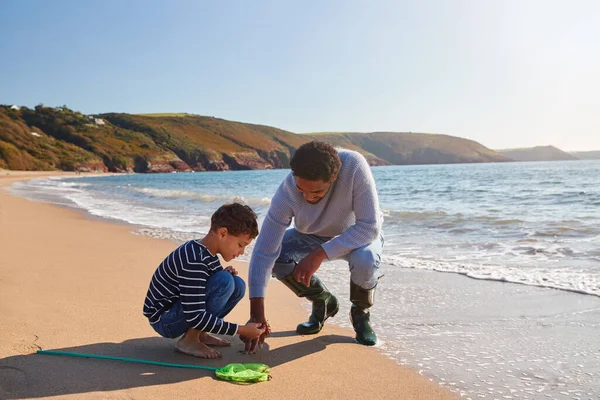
[194, 250]
[200, 248]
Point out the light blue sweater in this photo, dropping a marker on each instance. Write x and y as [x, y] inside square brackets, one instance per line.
[349, 214]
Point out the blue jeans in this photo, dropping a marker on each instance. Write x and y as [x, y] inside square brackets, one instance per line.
[223, 292]
[363, 262]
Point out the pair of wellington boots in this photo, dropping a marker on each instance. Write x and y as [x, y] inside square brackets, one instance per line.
[325, 305]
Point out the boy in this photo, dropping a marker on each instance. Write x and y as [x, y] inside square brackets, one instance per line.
[190, 292]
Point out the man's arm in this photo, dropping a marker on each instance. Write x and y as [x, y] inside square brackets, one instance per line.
[266, 251]
[268, 244]
[368, 216]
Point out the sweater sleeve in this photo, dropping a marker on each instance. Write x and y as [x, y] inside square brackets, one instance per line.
[193, 294]
[366, 209]
[268, 243]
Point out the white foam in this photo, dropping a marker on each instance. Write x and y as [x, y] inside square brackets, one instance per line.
[187, 194]
[584, 281]
[136, 214]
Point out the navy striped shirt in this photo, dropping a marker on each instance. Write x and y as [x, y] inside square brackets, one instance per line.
[182, 276]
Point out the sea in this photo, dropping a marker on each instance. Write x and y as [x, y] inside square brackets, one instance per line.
[491, 272]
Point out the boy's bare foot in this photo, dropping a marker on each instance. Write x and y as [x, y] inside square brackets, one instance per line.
[196, 348]
[212, 340]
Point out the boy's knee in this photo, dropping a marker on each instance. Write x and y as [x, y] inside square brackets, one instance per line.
[240, 286]
[224, 279]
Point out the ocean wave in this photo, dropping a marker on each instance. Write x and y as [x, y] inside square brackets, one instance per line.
[180, 237]
[413, 215]
[568, 279]
[563, 231]
[205, 197]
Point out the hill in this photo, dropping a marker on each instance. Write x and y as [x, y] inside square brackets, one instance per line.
[587, 155]
[47, 138]
[538, 153]
[402, 148]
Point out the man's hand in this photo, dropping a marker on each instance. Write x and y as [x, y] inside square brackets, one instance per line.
[231, 270]
[309, 265]
[257, 315]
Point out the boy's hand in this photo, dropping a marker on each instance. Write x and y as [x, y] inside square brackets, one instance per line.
[252, 330]
[257, 315]
[252, 342]
[231, 270]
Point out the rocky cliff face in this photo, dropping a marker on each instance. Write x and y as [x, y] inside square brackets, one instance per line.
[47, 138]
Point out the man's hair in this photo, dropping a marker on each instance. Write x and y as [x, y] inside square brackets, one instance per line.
[238, 218]
[316, 161]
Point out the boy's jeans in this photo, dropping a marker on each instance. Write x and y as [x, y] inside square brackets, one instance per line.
[223, 292]
[363, 262]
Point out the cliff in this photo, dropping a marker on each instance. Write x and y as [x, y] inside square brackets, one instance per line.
[401, 148]
[46, 138]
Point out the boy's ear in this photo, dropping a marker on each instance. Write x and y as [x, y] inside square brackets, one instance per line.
[222, 231]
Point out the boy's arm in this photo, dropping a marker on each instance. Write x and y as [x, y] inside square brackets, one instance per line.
[194, 274]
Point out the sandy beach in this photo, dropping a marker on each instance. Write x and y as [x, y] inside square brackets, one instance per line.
[73, 283]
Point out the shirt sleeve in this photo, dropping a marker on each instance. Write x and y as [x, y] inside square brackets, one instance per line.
[366, 209]
[193, 276]
[268, 244]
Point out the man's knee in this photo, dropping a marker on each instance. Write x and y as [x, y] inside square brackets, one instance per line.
[364, 267]
[281, 269]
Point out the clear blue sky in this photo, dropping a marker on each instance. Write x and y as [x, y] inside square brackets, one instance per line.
[508, 73]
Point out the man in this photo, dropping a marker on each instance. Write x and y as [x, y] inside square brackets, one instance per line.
[331, 197]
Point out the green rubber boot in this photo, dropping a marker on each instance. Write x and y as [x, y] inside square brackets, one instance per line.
[362, 300]
[324, 304]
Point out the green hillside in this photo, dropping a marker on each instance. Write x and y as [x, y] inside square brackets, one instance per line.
[47, 138]
[208, 143]
[412, 148]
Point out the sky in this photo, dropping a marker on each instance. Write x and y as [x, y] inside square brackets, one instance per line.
[510, 73]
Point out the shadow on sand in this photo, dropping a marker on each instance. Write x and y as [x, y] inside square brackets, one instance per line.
[38, 375]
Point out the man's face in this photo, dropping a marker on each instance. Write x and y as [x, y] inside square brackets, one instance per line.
[313, 191]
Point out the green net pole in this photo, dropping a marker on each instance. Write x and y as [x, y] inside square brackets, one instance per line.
[131, 360]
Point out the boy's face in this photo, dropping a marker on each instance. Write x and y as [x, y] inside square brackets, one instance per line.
[231, 246]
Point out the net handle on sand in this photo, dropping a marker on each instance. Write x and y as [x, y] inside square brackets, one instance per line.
[131, 360]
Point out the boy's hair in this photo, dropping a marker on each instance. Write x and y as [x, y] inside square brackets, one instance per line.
[237, 218]
[316, 161]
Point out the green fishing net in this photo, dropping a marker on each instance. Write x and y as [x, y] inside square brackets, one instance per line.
[244, 373]
[238, 373]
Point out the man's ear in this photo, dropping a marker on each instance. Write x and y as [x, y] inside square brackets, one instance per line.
[334, 178]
